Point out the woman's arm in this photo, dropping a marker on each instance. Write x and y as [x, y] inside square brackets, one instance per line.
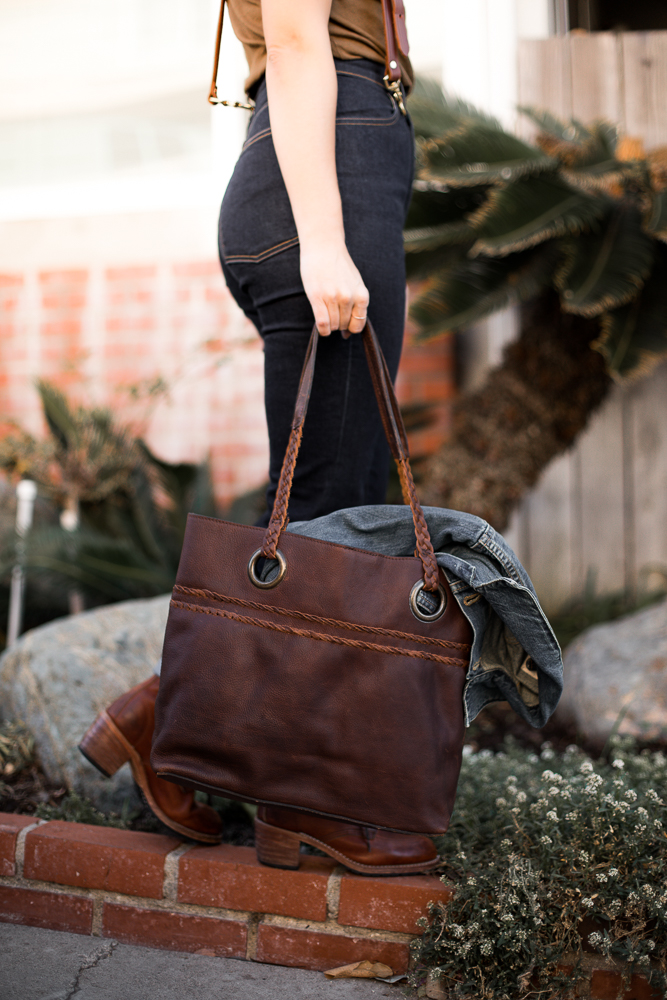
[302, 91]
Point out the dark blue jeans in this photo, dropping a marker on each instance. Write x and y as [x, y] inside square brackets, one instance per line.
[344, 459]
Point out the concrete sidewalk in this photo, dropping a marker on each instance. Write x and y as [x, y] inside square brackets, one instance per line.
[38, 964]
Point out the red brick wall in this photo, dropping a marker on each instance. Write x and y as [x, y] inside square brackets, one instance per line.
[167, 349]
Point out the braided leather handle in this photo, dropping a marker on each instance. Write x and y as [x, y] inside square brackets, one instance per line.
[394, 429]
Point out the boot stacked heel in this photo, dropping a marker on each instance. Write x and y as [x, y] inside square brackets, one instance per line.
[104, 746]
[275, 847]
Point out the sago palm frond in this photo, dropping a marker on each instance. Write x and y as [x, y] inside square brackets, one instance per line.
[530, 211]
[433, 113]
[439, 218]
[606, 266]
[474, 154]
[634, 336]
[575, 145]
[655, 215]
[476, 287]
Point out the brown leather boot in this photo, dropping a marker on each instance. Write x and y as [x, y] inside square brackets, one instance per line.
[124, 732]
[279, 832]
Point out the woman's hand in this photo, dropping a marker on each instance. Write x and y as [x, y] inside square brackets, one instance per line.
[334, 287]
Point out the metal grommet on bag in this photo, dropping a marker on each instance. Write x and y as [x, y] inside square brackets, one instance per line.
[417, 611]
[268, 584]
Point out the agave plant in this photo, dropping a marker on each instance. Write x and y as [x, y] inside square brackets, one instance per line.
[576, 226]
[130, 509]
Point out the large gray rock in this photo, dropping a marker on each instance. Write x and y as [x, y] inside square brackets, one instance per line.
[618, 672]
[58, 677]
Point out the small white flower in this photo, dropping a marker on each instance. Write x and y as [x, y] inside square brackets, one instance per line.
[500, 802]
[613, 873]
[546, 841]
[639, 828]
[618, 763]
[584, 857]
[631, 795]
[657, 824]
[586, 767]
[521, 796]
[486, 947]
[588, 903]
[572, 816]
[457, 931]
[601, 878]
[553, 815]
[648, 890]
[595, 938]
[505, 844]
[642, 813]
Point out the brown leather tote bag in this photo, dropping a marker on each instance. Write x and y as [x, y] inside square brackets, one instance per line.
[332, 682]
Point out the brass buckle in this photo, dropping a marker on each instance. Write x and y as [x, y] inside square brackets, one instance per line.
[394, 88]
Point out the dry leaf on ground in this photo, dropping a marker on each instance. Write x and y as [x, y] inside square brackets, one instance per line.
[360, 970]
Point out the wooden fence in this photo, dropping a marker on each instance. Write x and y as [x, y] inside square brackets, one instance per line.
[599, 513]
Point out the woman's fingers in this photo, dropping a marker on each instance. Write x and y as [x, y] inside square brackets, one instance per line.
[335, 288]
[357, 319]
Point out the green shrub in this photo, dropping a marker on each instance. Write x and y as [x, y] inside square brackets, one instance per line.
[543, 850]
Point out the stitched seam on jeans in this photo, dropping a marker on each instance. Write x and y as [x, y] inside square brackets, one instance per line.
[260, 135]
[335, 640]
[257, 258]
[362, 76]
[368, 122]
[318, 619]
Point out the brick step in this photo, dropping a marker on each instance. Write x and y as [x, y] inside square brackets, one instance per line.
[159, 892]
[153, 890]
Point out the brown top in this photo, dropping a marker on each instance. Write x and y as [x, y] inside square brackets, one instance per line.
[356, 28]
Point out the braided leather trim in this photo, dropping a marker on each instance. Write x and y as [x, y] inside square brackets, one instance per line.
[279, 516]
[318, 619]
[320, 636]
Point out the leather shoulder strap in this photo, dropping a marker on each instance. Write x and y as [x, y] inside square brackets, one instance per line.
[395, 37]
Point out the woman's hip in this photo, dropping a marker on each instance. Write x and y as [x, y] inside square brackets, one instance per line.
[374, 161]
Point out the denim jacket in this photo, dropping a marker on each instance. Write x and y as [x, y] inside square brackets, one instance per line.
[515, 656]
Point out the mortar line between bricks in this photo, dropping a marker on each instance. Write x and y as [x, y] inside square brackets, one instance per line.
[119, 899]
[333, 892]
[171, 869]
[19, 854]
[333, 927]
[98, 914]
[193, 909]
[254, 920]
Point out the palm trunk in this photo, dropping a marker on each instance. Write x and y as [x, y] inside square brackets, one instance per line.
[530, 409]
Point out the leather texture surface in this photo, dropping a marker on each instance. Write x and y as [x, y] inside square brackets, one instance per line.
[364, 844]
[133, 713]
[325, 693]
